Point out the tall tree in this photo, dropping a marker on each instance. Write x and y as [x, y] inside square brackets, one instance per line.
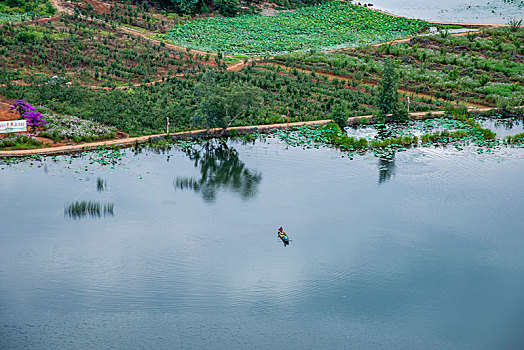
[387, 89]
[222, 104]
[227, 8]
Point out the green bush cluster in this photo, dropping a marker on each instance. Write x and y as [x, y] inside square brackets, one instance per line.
[443, 136]
[17, 141]
[484, 133]
[340, 139]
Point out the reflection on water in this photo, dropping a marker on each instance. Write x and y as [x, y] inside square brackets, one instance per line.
[432, 260]
[100, 185]
[220, 167]
[473, 11]
[81, 209]
[386, 168]
[507, 124]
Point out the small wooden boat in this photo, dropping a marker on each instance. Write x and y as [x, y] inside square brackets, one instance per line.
[283, 236]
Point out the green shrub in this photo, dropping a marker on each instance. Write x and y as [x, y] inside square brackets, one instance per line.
[227, 8]
[18, 141]
[340, 114]
[519, 138]
[29, 37]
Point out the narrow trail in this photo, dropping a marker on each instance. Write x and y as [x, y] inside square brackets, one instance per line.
[202, 133]
[392, 42]
[58, 6]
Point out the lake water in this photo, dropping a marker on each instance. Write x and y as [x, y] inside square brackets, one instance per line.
[466, 11]
[424, 252]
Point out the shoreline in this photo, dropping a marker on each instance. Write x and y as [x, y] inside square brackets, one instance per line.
[469, 22]
[199, 133]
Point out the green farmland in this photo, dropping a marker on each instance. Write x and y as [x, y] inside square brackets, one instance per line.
[327, 26]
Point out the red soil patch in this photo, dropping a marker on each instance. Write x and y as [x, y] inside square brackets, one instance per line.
[98, 6]
[6, 114]
[38, 21]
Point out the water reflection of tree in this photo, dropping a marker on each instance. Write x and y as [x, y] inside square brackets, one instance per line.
[386, 168]
[220, 167]
[508, 123]
[386, 162]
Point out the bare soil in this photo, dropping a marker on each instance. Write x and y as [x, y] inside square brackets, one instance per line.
[6, 114]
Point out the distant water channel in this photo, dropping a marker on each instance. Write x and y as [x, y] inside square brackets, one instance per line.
[423, 252]
[464, 11]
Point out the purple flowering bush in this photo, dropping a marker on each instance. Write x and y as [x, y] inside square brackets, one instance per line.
[28, 112]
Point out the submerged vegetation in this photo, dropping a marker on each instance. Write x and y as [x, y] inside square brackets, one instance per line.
[101, 185]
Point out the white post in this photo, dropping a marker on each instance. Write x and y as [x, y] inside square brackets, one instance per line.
[167, 126]
[408, 104]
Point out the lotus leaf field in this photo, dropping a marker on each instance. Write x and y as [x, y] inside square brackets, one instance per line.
[16, 17]
[331, 25]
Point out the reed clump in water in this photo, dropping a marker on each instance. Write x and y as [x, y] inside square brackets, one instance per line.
[395, 141]
[338, 138]
[443, 136]
[82, 209]
[485, 134]
[515, 139]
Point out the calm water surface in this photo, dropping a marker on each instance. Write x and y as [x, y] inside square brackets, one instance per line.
[425, 252]
[465, 11]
